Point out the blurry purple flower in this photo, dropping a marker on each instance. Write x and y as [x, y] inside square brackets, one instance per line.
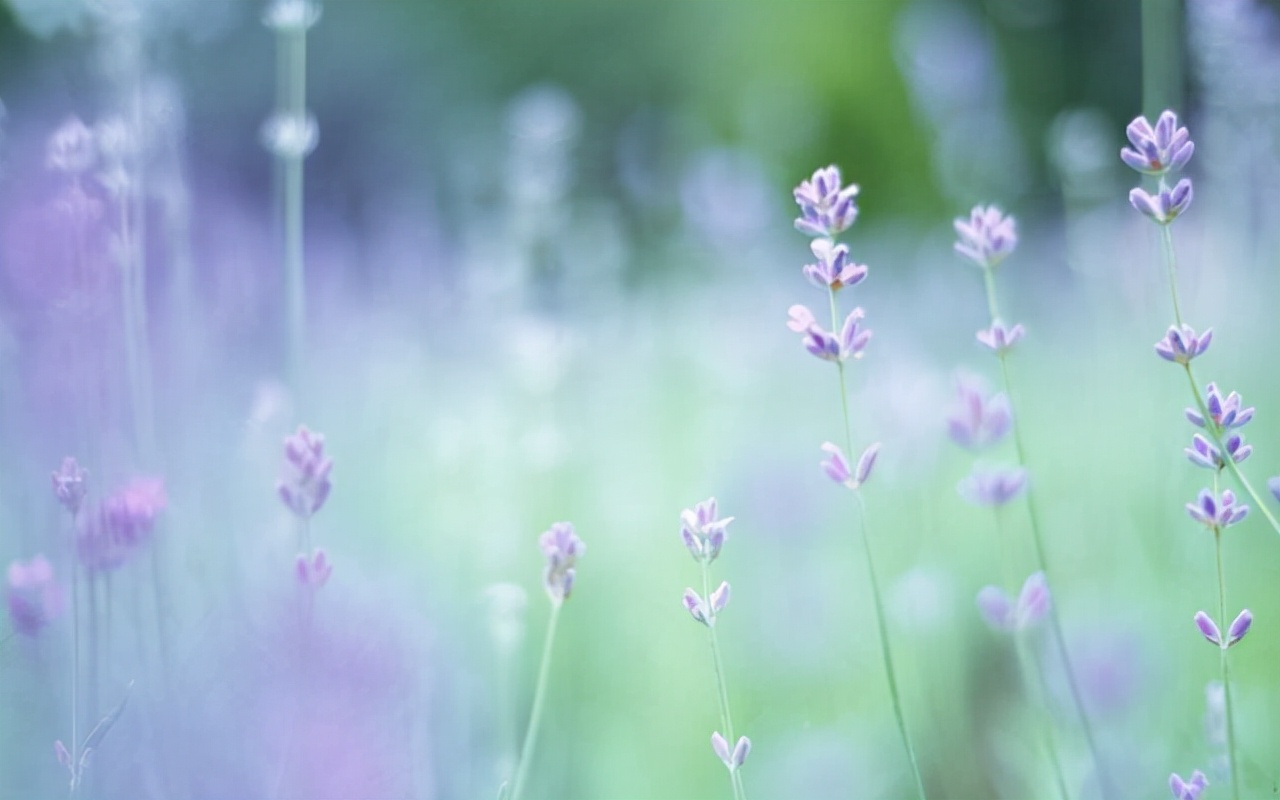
[1216, 514]
[993, 487]
[72, 148]
[313, 571]
[737, 757]
[697, 607]
[1158, 149]
[1003, 613]
[987, 237]
[1166, 204]
[834, 269]
[702, 532]
[1273, 485]
[802, 318]
[1000, 339]
[1239, 627]
[979, 421]
[1188, 789]
[69, 486]
[1208, 628]
[837, 466]
[826, 208]
[1224, 412]
[850, 343]
[306, 484]
[121, 525]
[720, 598]
[1182, 345]
[562, 548]
[60, 751]
[1203, 453]
[35, 599]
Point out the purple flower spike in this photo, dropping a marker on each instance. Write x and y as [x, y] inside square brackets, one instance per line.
[69, 485]
[1182, 345]
[1000, 339]
[987, 237]
[837, 466]
[993, 487]
[1159, 149]
[121, 525]
[562, 549]
[1239, 627]
[850, 343]
[834, 270]
[1007, 615]
[978, 421]
[1225, 412]
[698, 608]
[306, 484]
[1188, 789]
[34, 598]
[702, 532]
[1203, 453]
[313, 571]
[1165, 205]
[731, 760]
[1217, 514]
[1208, 628]
[826, 208]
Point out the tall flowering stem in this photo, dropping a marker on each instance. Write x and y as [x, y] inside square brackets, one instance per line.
[826, 210]
[562, 549]
[986, 238]
[704, 534]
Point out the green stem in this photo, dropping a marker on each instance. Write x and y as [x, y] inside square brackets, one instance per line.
[1037, 541]
[75, 662]
[882, 627]
[1036, 689]
[292, 48]
[726, 719]
[1226, 675]
[539, 696]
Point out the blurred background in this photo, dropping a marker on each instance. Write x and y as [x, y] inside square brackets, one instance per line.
[549, 256]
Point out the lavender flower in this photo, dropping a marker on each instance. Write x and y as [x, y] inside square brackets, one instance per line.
[979, 421]
[1003, 613]
[1189, 789]
[34, 598]
[850, 343]
[826, 208]
[306, 484]
[121, 525]
[1166, 204]
[1216, 514]
[69, 485]
[72, 148]
[993, 487]
[702, 532]
[313, 571]
[1182, 345]
[1224, 412]
[705, 611]
[1203, 453]
[1239, 627]
[562, 548]
[737, 757]
[1159, 149]
[999, 338]
[834, 269]
[837, 466]
[987, 237]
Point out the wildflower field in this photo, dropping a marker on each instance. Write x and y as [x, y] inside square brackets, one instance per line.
[639, 401]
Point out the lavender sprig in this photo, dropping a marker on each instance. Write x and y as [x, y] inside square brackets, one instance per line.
[986, 238]
[827, 209]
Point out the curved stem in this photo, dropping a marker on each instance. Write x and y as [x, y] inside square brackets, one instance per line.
[722, 691]
[539, 695]
[1037, 688]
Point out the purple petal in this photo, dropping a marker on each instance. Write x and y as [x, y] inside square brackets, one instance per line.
[1208, 628]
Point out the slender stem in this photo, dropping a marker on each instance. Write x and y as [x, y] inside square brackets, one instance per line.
[1226, 675]
[1035, 687]
[1037, 541]
[539, 695]
[882, 627]
[1171, 264]
[722, 690]
[75, 661]
[293, 51]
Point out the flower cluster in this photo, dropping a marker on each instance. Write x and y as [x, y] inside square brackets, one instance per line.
[1190, 789]
[562, 549]
[1239, 627]
[733, 759]
[826, 208]
[306, 484]
[313, 571]
[1013, 615]
[69, 485]
[1159, 150]
[1181, 344]
[987, 237]
[837, 466]
[34, 598]
[121, 525]
[980, 421]
[704, 533]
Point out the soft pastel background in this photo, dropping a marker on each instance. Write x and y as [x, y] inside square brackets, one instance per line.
[549, 254]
